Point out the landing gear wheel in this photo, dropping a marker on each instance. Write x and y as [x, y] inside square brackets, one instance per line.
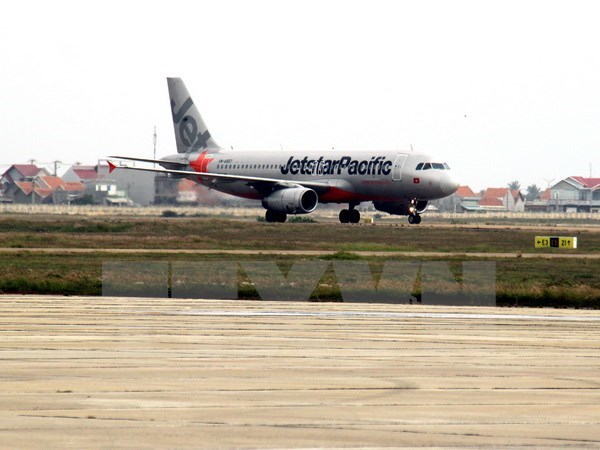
[354, 216]
[345, 216]
[273, 216]
[414, 219]
[270, 216]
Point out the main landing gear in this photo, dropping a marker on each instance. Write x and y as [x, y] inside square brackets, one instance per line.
[350, 215]
[274, 216]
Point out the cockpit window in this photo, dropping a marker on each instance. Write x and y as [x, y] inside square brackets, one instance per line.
[438, 166]
[426, 166]
[419, 166]
[446, 166]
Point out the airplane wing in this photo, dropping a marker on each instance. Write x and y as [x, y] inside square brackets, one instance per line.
[318, 186]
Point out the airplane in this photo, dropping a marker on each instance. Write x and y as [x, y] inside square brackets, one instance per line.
[400, 183]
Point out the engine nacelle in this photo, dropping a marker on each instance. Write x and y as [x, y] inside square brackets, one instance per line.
[400, 208]
[292, 201]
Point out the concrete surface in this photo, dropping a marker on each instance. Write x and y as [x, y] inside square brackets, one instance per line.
[104, 372]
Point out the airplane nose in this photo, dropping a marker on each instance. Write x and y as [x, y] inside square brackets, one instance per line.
[449, 186]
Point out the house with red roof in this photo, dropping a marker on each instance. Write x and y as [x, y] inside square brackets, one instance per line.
[464, 199]
[465, 192]
[575, 194]
[64, 192]
[45, 189]
[492, 204]
[18, 173]
[83, 174]
[502, 199]
[22, 172]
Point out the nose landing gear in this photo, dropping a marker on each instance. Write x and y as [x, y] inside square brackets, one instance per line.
[414, 219]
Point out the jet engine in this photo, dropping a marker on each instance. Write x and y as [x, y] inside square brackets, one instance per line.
[400, 208]
[292, 201]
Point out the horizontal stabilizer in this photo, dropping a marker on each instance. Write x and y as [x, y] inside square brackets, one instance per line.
[149, 160]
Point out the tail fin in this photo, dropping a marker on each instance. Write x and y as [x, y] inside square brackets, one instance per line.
[191, 133]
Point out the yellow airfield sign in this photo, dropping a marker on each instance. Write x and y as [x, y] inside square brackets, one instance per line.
[555, 241]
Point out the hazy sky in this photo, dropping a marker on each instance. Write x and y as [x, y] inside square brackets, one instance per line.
[500, 90]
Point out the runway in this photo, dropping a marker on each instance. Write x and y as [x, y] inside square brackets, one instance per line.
[99, 372]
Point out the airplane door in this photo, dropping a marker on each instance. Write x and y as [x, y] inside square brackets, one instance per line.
[398, 165]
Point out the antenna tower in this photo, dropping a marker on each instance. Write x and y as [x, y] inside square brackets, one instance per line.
[154, 141]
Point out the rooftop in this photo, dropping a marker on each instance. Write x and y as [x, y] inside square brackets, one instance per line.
[465, 191]
[86, 172]
[491, 202]
[28, 170]
[589, 183]
[495, 192]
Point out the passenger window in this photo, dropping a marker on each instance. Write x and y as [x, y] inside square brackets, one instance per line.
[419, 166]
[427, 166]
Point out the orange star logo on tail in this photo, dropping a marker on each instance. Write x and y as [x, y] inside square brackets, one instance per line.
[201, 164]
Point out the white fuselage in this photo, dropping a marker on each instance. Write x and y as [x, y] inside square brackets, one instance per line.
[353, 176]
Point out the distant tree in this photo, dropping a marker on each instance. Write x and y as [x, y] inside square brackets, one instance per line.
[515, 185]
[533, 192]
